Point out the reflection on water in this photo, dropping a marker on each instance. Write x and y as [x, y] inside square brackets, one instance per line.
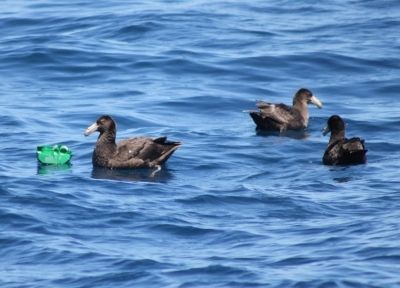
[341, 173]
[147, 175]
[295, 134]
[343, 179]
[44, 169]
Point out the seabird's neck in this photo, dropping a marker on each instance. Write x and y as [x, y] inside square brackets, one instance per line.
[107, 137]
[105, 148]
[302, 108]
[106, 143]
[336, 135]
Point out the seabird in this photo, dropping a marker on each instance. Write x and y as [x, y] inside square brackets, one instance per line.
[340, 150]
[139, 152]
[281, 117]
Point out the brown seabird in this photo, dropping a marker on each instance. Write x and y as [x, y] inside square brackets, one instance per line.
[139, 152]
[281, 117]
[340, 150]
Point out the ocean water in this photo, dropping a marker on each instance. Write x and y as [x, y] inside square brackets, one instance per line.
[232, 208]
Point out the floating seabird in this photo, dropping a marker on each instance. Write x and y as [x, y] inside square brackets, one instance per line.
[281, 117]
[340, 150]
[139, 152]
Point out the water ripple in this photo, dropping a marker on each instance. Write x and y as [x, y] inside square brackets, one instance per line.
[233, 207]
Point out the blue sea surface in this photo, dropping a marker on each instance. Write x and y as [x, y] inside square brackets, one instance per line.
[232, 208]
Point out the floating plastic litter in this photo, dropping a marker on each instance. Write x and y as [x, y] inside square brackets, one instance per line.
[53, 154]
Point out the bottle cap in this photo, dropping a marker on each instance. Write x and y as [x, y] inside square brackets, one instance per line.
[53, 154]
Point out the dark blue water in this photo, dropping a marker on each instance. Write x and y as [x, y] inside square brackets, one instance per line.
[231, 208]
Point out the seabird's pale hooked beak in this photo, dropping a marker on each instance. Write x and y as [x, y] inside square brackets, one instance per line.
[92, 128]
[326, 130]
[314, 100]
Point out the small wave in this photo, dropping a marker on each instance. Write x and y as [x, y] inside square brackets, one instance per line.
[212, 270]
[135, 31]
[180, 230]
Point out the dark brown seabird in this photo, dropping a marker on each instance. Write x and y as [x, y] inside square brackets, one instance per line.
[281, 117]
[139, 152]
[340, 150]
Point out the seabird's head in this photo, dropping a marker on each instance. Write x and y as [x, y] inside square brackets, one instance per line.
[305, 96]
[103, 124]
[334, 125]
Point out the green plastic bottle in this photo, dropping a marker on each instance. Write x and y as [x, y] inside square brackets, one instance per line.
[53, 154]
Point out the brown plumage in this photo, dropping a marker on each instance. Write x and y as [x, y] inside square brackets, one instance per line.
[281, 117]
[140, 152]
[340, 150]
